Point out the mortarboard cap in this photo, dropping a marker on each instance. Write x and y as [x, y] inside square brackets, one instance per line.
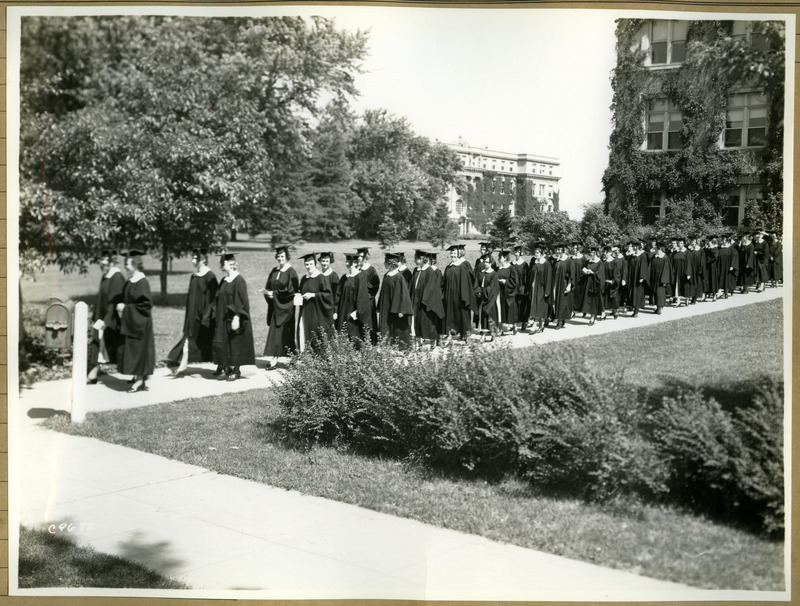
[351, 256]
[108, 254]
[390, 256]
[227, 257]
[421, 253]
[282, 249]
[362, 251]
[134, 252]
[454, 246]
[309, 257]
[327, 254]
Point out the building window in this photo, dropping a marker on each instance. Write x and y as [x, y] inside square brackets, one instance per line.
[502, 186]
[653, 209]
[550, 170]
[744, 31]
[541, 190]
[746, 120]
[549, 191]
[736, 202]
[663, 125]
[668, 42]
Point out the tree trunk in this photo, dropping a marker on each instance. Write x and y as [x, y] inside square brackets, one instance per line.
[164, 273]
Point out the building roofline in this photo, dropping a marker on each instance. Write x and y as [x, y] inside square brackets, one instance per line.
[501, 154]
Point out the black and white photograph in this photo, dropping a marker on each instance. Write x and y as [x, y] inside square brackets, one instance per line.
[400, 303]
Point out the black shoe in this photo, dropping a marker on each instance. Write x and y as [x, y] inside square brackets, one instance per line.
[218, 372]
[140, 387]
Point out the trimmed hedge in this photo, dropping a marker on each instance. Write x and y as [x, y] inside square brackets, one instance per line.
[544, 415]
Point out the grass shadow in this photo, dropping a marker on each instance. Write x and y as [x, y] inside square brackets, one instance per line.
[730, 395]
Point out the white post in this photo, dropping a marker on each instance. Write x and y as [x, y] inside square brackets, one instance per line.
[79, 361]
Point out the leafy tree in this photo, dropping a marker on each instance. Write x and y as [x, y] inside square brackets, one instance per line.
[596, 227]
[501, 230]
[397, 174]
[550, 227]
[389, 234]
[689, 217]
[764, 214]
[441, 229]
[168, 132]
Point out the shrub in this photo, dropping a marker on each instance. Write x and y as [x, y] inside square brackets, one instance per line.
[37, 360]
[759, 466]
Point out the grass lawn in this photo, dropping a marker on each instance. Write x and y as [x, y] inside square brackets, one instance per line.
[47, 560]
[232, 435]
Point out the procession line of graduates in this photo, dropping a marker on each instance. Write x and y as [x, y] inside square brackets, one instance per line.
[421, 307]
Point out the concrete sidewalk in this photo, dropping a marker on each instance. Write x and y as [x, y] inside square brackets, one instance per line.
[227, 537]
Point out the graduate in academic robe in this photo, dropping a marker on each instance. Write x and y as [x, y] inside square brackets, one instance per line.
[487, 299]
[233, 345]
[562, 286]
[540, 288]
[728, 265]
[661, 278]
[394, 304]
[698, 257]
[712, 282]
[681, 260]
[326, 260]
[426, 300]
[523, 275]
[507, 279]
[577, 259]
[593, 277]
[316, 313]
[486, 251]
[638, 278]
[355, 310]
[196, 344]
[613, 281]
[370, 275]
[462, 254]
[458, 284]
[105, 335]
[282, 284]
[747, 264]
[761, 254]
[136, 324]
[625, 252]
[402, 267]
[776, 259]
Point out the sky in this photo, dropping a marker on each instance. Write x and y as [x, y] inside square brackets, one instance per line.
[519, 81]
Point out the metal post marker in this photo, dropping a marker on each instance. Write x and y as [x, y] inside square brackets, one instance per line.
[79, 361]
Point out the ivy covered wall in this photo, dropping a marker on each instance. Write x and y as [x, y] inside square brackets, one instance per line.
[716, 66]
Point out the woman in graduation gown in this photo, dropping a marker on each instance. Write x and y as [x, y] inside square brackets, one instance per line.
[426, 299]
[540, 287]
[395, 310]
[562, 286]
[354, 315]
[507, 279]
[233, 333]
[370, 276]
[196, 344]
[105, 322]
[661, 278]
[317, 311]
[593, 276]
[458, 286]
[487, 299]
[136, 324]
[326, 260]
[613, 281]
[522, 268]
[282, 284]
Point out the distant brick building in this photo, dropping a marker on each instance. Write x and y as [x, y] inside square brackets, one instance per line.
[522, 183]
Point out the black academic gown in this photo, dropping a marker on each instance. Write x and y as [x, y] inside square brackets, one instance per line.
[105, 309]
[682, 268]
[316, 314]
[638, 280]
[373, 282]
[487, 298]
[562, 282]
[198, 322]
[354, 297]
[458, 284]
[426, 299]
[593, 288]
[395, 310]
[540, 288]
[508, 294]
[523, 301]
[233, 347]
[661, 278]
[280, 311]
[136, 326]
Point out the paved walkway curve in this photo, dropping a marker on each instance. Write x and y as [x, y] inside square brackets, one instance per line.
[227, 537]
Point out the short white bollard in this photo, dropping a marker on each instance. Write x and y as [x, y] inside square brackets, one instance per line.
[80, 328]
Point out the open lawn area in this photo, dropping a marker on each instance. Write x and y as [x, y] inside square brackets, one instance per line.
[727, 354]
[53, 560]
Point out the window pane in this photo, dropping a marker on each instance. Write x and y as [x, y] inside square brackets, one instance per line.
[736, 101]
[733, 137]
[660, 29]
[674, 141]
[678, 52]
[655, 140]
[650, 214]
[739, 29]
[679, 29]
[659, 105]
[659, 52]
[675, 121]
[730, 216]
[734, 118]
[756, 136]
[754, 192]
[757, 99]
